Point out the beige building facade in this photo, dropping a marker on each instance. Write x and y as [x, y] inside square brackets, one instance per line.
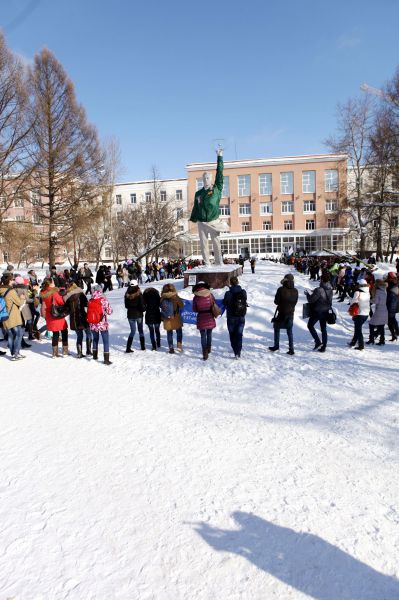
[272, 205]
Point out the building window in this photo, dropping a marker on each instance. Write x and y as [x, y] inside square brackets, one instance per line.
[224, 210]
[179, 194]
[331, 223]
[309, 206]
[331, 206]
[36, 218]
[395, 221]
[310, 224]
[18, 202]
[163, 196]
[118, 199]
[287, 225]
[266, 208]
[331, 180]
[375, 223]
[287, 207]
[179, 213]
[308, 182]
[3, 203]
[107, 252]
[19, 218]
[226, 187]
[199, 184]
[265, 184]
[35, 195]
[180, 228]
[244, 209]
[245, 226]
[244, 185]
[148, 196]
[133, 199]
[287, 182]
[266, 225]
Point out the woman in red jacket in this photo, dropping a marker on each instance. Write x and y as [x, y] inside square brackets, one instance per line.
[49, 296]
[202, 304]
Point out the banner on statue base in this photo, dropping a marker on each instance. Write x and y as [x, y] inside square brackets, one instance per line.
[189, 316]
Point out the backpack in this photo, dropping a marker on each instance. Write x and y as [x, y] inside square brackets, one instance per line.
[94, 311]
[239, 304]
[4, 314]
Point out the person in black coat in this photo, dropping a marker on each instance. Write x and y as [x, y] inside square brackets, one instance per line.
[320, 301]
[100, 276]
[135, 310]
[286, 299]
[76, 302]
[152, 302]
[235, 301]
[393, 305]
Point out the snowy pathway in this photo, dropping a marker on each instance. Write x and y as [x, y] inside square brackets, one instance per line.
[166, 478]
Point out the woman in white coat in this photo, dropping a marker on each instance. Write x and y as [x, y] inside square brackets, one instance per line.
[380, 313]
[361, 297]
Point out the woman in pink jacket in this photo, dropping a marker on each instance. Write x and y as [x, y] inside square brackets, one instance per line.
[202, 304]
[97, 310]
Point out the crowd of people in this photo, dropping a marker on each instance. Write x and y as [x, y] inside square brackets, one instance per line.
[369, 294]
[75, 300]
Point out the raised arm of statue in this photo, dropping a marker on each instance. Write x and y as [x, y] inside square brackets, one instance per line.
[219, 171]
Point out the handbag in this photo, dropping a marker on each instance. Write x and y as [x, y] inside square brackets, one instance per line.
[353, 310]
[216, 312]
[59, 311]
[306, 310]
[331, 317]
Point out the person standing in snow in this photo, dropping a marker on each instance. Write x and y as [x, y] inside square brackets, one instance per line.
[380, 313]
[203, 302]
[361, 297]
[102, 325]
[12, 325]
[171, 306]
[76, 301]
[285, 299]
[235, 301]
[152, 302]
[48, 296]
[134, 304]
[320, 301]
[393, 305]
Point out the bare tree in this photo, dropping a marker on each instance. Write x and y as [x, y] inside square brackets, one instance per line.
[354, 122]
[65, 150]
[14, 129]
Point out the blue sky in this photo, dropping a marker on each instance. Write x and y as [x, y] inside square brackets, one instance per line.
[167, 78]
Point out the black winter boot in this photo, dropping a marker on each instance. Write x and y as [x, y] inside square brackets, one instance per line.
[106, 359]
[79, 350]
[25, 344]
[154, 345]
[129, 344]
[371, 335]
[158, 340]
[95, 354]
[88, 348]
[142, 343]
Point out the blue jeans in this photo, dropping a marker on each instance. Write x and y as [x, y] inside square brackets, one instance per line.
[15, 339]
[105, 338]
[136, 323]
[206, 338]
[235, 326]
[79, 335]
[359, 321]
[155, 334]
[179, 336]
[289, 323]
[322, 318]
[120, 282]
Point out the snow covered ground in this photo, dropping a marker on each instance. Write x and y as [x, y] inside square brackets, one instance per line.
[166, 478]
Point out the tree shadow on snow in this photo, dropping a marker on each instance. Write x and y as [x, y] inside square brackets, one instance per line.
[303, 561]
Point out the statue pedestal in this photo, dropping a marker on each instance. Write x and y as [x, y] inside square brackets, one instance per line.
[217, 276]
